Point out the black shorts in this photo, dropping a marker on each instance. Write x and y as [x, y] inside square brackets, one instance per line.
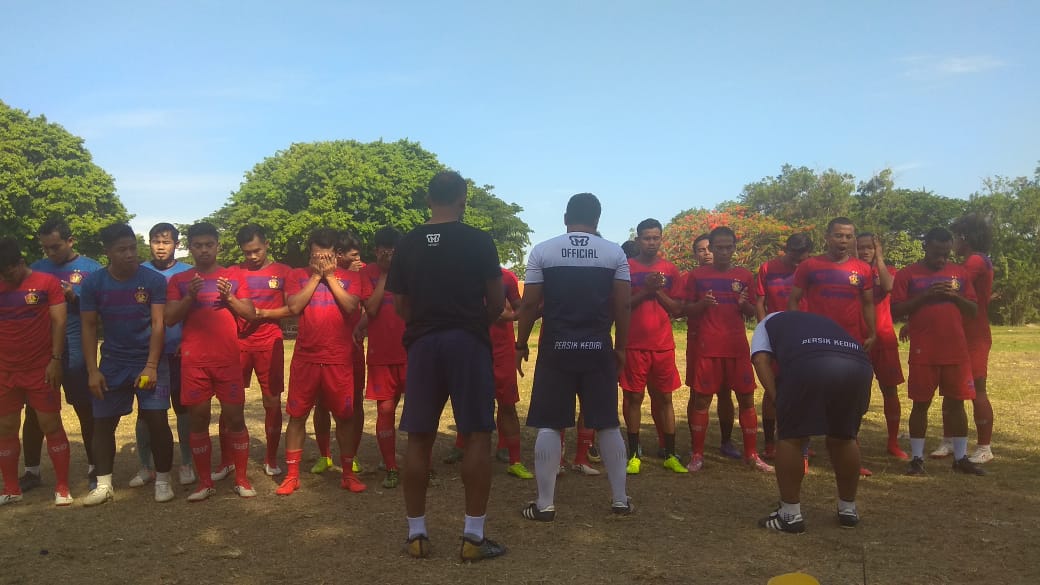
[556, 386]
[454, 364]
[175, 384]
[825, 395]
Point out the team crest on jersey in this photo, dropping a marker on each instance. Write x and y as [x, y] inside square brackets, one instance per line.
[273, 283]
[76, 277]
[955, 284]
[433, 239]
[32, 297]
[737, 286]
[141, 296]
[579, 240]
[854, 279]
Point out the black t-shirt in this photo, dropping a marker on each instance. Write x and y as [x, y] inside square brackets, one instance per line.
[793, 336]
[443, 269]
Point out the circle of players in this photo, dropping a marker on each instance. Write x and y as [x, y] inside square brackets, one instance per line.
[179, 335]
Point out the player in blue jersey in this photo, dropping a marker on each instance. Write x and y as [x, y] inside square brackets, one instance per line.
[128, 301]
[70, 268]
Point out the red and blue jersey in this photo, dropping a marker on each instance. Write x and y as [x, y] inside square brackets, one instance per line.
[323, 333]
[651, 325]
[25, 321]
[886, 332]
[835, 289]
[385, 327]
[720, 329]
[267, 291]
[980, 271]
[72, 272]
[774, 282]
[210, 334]
[503, 335]
[172, 341]
[125, 310]
[936, 329]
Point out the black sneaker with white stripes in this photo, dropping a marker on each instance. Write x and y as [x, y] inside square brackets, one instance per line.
[777, 523]
[848, 518]
[531, 512]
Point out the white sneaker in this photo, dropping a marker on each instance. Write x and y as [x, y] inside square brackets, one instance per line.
[201, 494]
[99, 495]
[584, 469]
[10, 499]
[222, 472]
[187, 475]
[982, 454]
[272, 470]
[61, 499]
[945, 449]
[144, 476]
[163, 492]
[244, 491]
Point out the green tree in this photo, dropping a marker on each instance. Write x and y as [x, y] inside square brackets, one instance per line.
[885, 209]
[801, 196]
[356, 186]
[46, 172]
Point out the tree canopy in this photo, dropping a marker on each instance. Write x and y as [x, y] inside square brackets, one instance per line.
[46, 172]
[355, 186]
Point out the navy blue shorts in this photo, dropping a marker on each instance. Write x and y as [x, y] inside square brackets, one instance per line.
[175, 383]
[825, 395]
[556, 386]
[119, 400]
[74, 379]
[447, 364]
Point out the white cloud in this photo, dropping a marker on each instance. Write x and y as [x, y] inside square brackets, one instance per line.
[925, 67]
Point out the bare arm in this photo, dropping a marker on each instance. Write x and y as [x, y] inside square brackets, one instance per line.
[346, 301]
[869, 317]
[298, 301]
[374, 302]
[794, 299]
[763, 362]
[526, 316]
[760, 308]
[622, 317]
[59, 316]
[155, 347]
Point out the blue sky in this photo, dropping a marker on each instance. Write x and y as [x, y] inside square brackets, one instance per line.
[653, 106]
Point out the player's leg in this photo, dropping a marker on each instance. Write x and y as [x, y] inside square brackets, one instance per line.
[357, 424]
[706, 382]
[337, 393]
[58, 450]
[633, 381]
[632, 410]
[956, 387]
[789, 474]
[12, 401]
[768, 427]
[749, 428]
[186, 473]
[270, 375]
[597, 392]
[550, 412]
[386, 439]
[583, 454]
[304, 385]
[726, 413]
[143, 444]
[232, 397]
[663, 380]
[417, 454]
[77, 394]
[32, 446]
[104, 456]
[983, 412]
[323, 437]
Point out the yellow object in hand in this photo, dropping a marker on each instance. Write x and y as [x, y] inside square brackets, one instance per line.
[144, 382]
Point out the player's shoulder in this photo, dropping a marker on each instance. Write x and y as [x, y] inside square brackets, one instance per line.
[39, 279]
[509, 275]
[85, 263]
[144, 275]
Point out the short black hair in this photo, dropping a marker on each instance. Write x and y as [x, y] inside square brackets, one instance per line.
[630, 248]
[250, 231]
[447, 187]
[798, 243]
[55, 224]
[721, 231]
[386, 237]
[700, 239]
[838, 221]
[163, 227]
[347, 241]
[202, 229]
[111, 234]
[938, 235]
[864, 235]
[584, 209]
[648, 224]
[323, 237]
[10, 253]
[977, 231]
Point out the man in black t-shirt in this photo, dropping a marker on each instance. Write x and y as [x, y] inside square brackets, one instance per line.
[822, 388]
[447, 287]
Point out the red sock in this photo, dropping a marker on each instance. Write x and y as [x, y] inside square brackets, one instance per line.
[324, 440]
[749, 426]
[239, 443]
[292, 463]
[502, 443]
[984, 419]
[202, 457]
[227, 456]
[893, 412]
[273, 430]
[347, 463]
[459, 443]
[699, 430]
[513, 445]
[58, 449]
[10, 450]
[386, 438]
[585, 438]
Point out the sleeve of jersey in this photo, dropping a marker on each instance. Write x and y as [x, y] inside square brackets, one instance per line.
[239, 276]
[87, 296]
[969, 288]
[158, 290]
[354, 285]
[366, 285]
[292, 283]
[395, 281]
[760, 339]
[974, 266]
[760, 280]
[489, 261]
[899, 287]
[689, 293]
[534, 273]
[623, 271]
[676, 290]
[55, 294]
[512, 286]
[801, 275]
[751, 289]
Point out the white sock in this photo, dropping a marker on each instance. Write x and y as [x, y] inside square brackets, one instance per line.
[104, 480]
[960, 447]
[917, 447]
[35, 470]
[475, 526]
[790, 512]
[547, 453]
[615, 459]
[90, 468]
[844, 506]
[162, 477]
[416, 526]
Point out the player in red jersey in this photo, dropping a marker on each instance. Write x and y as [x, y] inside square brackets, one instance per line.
[387, 358]
[323, 295]
[650, 358]
[260, 343]
[722, 296]
[772, 289]
[937, 296]
[884, 355]
[32, 341]
[209, 300]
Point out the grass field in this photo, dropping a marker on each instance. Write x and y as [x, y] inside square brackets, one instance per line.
[942, 528]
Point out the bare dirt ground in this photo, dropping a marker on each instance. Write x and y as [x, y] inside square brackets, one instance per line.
[938, 529]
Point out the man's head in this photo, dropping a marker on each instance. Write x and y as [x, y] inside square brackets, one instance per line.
[938, 243]
[583, 210]
[972, 233]
[323, 242]
[348, 251]
[447, 192]
[252, 240]
[120, 243]
[797, 248]
[702, 250]
[204, 244]
[162, 240]
[385, 241]
[865, 247]
[57, 241]
[648, 236]
[722, 242]
[12, 265]
[630, 248]
[840, 237]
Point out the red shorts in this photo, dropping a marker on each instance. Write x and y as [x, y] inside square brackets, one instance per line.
[887, 368]
[655, 369]
[386, 382]
[358, 364]
[27, 387]
[979, 353]
[506, 389]
[269, 366]
[201, 383]
[331, 384]
[712, 375]
[953, 381]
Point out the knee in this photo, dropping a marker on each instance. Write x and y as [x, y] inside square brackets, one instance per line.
[50, 422]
